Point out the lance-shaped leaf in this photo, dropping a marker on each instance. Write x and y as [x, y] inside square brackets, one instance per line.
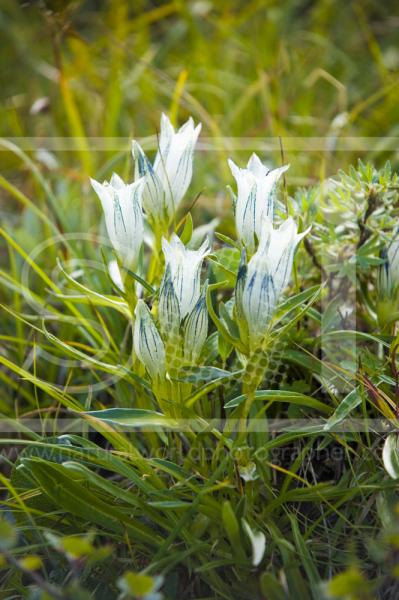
[147, 342]
[123, 216]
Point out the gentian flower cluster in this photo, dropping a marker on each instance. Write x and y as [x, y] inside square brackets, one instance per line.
[173, 333]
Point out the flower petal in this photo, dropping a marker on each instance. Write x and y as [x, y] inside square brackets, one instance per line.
[185, 269]
[115, 274]
[168, 306]
[196, 330]
[147, 342]
[174, 161]
[258, 543]
[267, 274]
[255, 198]
[390, 455]
[257, 167]
[123, 216]
[153, 195]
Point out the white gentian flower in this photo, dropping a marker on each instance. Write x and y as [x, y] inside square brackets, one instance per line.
[255, 198]
[258, 543]
[183, 266]
[147, 342]
[182, 311]
[389, 270]
[115, 274]
[248, 472]
[121, 204]
[196, 330]
[168, 306]
[168, 178]
[393, 259]
[261, 282]
[390, 455]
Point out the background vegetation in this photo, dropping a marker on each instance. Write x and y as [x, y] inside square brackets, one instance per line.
[79, 80]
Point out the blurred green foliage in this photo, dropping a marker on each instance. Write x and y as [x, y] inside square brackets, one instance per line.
[258, 68]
